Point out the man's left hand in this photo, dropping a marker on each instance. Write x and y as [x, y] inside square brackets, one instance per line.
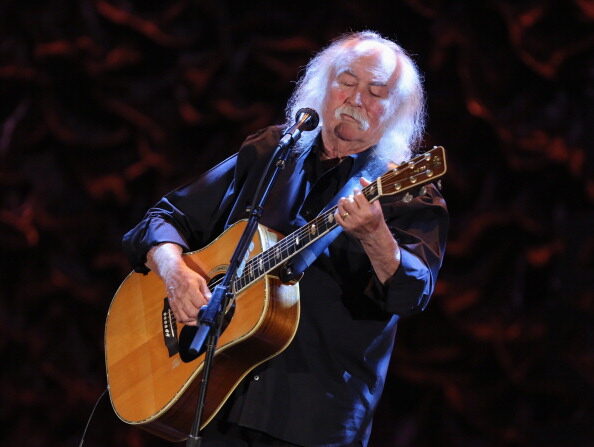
[357, 216]
[365, 221]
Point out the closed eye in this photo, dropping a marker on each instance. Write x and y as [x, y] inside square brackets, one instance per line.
[347, 79]
[378, 91]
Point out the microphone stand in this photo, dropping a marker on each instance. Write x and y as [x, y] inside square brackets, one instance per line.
[211, 317]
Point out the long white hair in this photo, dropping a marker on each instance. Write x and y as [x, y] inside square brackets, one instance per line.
[406, 123]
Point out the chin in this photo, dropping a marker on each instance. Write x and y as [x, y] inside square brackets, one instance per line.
[347, 132]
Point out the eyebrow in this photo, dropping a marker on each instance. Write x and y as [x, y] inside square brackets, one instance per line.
[372, 83]
[348, 72]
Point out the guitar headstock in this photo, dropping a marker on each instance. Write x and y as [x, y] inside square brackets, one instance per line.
[419, 170]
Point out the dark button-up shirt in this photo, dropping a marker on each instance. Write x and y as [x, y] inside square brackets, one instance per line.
[323, 389]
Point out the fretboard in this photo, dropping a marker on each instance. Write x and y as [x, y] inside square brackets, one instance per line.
[292, 244]
[398, 181]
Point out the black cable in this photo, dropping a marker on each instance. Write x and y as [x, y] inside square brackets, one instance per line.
[82, 439]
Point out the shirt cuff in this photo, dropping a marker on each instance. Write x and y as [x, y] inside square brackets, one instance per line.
[408, 290]
[138, 243]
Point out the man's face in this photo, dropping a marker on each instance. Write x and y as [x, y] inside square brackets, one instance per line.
[357, 101]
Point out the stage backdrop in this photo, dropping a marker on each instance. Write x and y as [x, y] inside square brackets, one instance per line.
[108, 104]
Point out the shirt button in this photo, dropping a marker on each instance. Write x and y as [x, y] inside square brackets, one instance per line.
[256, 378]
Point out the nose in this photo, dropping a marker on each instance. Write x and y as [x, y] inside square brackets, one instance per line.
[355, 97]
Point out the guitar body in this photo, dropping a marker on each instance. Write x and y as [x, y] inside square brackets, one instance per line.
[158, 390]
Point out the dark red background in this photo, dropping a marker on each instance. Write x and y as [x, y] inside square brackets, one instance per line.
[108, 104]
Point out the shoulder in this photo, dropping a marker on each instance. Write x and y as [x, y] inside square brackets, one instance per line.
[256, 150]
[264, 140]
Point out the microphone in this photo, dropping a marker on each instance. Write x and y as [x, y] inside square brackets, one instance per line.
[306, 119]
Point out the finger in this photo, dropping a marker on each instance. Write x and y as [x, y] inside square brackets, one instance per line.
[191, 309]
[181, 315]
[341, 214]
[351, 203]
[183, 308]
[189, 320]
[343, 205]
[341, 219]
[377, 206]
[206, 294]
[364, 182]
[347, 207]
[361, 200]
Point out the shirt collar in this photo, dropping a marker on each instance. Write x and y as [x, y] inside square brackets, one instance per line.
[360, 159]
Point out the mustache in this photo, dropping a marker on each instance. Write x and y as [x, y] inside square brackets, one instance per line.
[354, 113]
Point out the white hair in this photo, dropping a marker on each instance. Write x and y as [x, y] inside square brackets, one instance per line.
[406, 122]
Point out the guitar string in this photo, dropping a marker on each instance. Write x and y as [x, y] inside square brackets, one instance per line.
[254, 271]
[287, 242]
[285, 245]
[268, 256]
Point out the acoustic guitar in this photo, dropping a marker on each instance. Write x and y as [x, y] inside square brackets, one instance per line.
[154, 383]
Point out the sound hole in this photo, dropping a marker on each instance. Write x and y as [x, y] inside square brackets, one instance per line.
[187, 333]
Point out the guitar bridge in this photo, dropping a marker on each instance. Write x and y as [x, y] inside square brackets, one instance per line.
[169, 324]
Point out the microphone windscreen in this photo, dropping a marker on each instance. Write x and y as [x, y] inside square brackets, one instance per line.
[312, 122]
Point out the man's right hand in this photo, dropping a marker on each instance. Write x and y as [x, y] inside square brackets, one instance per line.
[186, 289]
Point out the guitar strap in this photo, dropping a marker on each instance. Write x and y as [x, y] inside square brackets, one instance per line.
[306, 257]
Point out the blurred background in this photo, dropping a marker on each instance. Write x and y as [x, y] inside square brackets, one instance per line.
[108, 104]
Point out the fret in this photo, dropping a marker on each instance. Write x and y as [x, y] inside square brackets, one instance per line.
[237, 284]
[423, 168]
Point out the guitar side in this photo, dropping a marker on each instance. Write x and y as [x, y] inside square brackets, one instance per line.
[158, 391]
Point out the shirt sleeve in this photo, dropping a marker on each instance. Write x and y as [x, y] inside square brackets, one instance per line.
[181, 216]
[192, 215]
[420, 228]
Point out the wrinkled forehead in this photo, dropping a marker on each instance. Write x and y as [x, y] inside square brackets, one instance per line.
[369, 55]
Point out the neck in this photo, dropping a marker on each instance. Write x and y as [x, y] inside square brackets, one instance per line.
[335, 147]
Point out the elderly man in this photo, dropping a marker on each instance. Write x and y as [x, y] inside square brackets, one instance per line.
[323, 389]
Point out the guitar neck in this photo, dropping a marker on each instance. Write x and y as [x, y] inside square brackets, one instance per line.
[286, 248]
[420, 170]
